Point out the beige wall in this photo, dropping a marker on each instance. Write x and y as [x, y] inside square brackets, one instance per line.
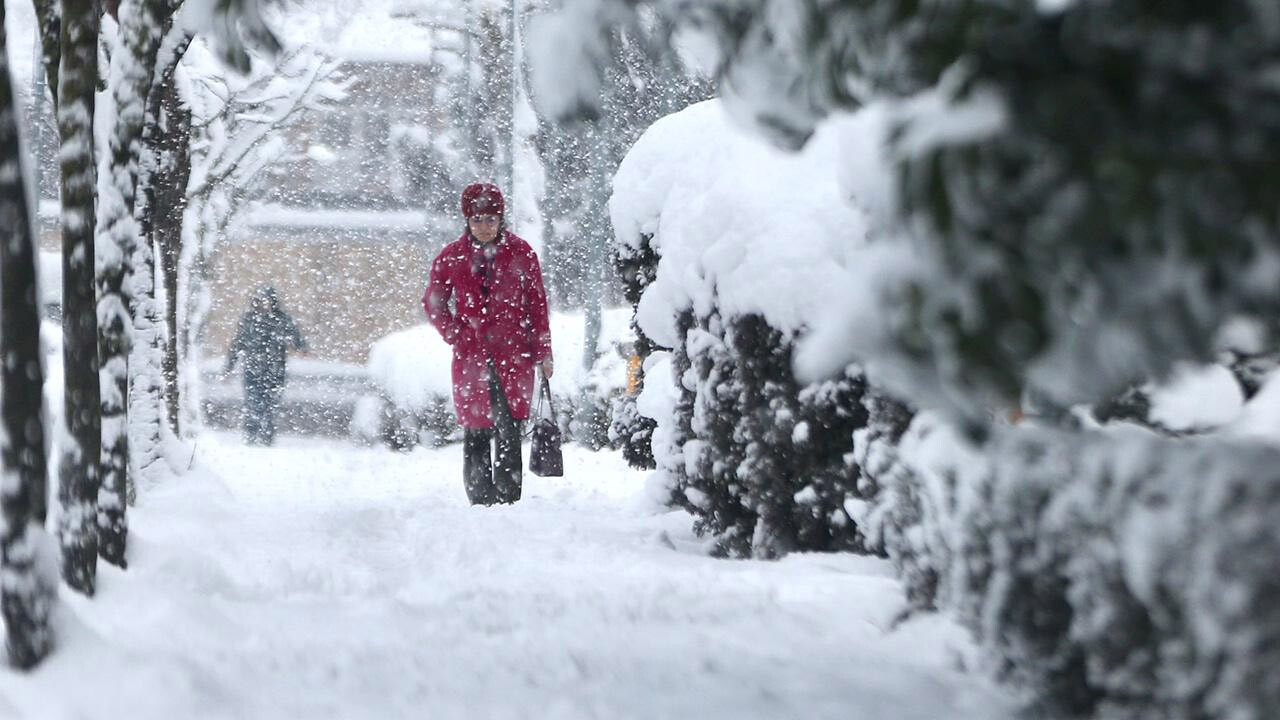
[344, 293]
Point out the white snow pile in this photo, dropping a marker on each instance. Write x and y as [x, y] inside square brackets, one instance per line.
[739, 224]
[413, 367]
[1260, 417]
[1196, 398]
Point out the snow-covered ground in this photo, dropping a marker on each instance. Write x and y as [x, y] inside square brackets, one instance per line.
[318, 580]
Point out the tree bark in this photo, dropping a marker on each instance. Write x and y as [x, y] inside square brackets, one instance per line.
[147, 371]
[173, 147]
[132, 69]
[78, 465]
[49, 18]
[25, 596]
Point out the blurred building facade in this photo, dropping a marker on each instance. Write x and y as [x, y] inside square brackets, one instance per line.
[346, 228]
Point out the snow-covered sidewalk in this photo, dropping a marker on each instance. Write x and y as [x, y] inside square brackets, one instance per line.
[318, 580]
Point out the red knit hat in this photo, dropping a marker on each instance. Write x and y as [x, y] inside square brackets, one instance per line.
[482, 199]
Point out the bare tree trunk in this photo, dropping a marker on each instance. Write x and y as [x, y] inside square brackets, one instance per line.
[49, 17]
[25, 596]
[78, 465]
[148, 376]
[132, 69]
[193, 277]
[174, 146]
[146, 391]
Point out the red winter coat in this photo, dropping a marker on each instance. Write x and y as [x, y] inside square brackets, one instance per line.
[507, 325]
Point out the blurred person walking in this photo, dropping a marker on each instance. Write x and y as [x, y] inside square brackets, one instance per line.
[486, 298]
[263, 339]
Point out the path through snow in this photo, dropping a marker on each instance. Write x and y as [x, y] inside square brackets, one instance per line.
[318, 580]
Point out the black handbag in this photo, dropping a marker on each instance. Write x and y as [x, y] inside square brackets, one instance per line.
[545, 456]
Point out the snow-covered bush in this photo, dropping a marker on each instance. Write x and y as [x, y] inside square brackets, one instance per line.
[585, 397]
[1114, 572]
[632, 432]
[1131, 576]
[413, 371]
[1026, 251]
[637, 266]
[892, 514]
[1069, 198]
[731, 246]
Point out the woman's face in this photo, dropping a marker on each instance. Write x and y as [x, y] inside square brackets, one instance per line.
[483, 227]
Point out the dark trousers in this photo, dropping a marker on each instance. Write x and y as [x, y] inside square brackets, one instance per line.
[260, 405]
[497, 478]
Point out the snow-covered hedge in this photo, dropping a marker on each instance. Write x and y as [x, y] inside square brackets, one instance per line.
[749, 244]
[1116, 572]
[632, 431]
[413, 371]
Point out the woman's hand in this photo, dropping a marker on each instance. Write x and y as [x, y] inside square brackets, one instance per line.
[547, 367]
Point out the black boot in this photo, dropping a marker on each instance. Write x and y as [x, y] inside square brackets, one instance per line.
[477, 465]
[508, 463]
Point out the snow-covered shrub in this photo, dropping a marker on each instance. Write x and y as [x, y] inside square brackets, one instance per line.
[732, 246]
[1115, 573]
[632, 432]
[763, 463]
[797, 442]
[1009, 581]
[637, 265]
[1022, 252]
[585, 398]
[717, 496]
[413, 371]
[891, 516]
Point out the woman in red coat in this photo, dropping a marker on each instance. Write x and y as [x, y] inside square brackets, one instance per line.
[486, 298]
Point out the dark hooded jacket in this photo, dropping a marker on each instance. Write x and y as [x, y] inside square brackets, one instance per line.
[265, 334]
